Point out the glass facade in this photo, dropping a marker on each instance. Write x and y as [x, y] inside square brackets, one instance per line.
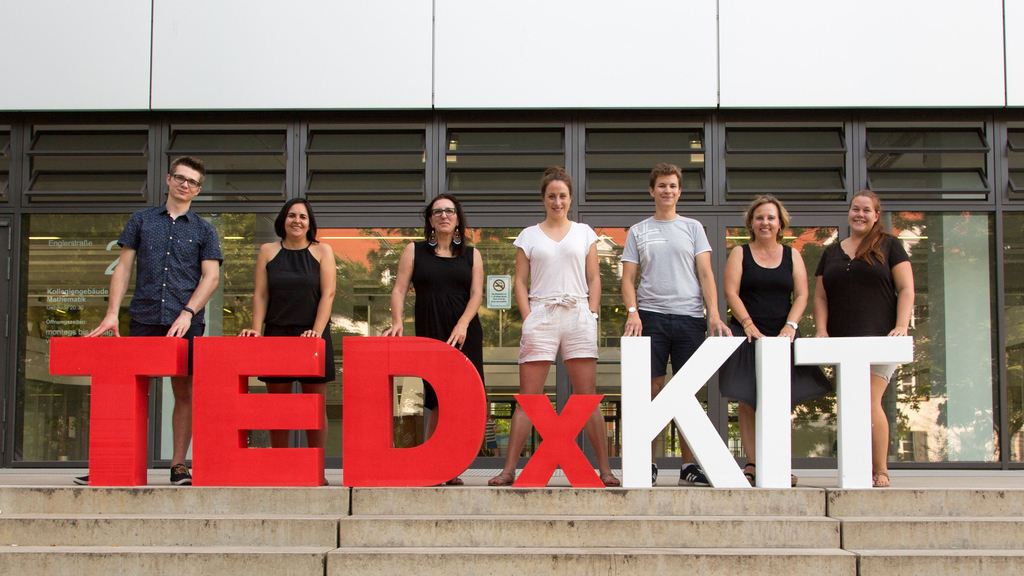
[951, 188]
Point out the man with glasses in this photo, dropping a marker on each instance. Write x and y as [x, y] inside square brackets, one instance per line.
[673, 256]
[178, 255]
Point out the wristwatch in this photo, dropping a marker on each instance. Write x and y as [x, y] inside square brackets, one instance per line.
[594, 314]
[631, 309]
[793, 324]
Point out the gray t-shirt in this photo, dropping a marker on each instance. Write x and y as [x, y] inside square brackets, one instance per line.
[666, 252]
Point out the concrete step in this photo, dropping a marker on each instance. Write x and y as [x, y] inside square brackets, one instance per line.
[944, 562]
[126, 560]
[586, 562]
[168, 530]
[925, 533]
[588, 502]
[517, 531]
[925, 502]
[326, 500]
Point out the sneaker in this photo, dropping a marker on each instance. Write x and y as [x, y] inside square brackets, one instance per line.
[82, 480]
[654, 473]
[692, 476]
[180, 475]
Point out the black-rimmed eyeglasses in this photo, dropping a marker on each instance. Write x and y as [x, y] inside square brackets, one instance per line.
[436, 212]
[181, 180]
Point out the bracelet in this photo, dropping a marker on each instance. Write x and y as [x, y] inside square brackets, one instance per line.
[190, 311]
[793, 324]
[745, 318]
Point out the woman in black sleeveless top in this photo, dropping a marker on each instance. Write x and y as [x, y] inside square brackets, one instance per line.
[448, 277]
[295, 281]
[766, 287]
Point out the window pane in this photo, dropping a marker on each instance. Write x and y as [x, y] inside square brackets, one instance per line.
[794, 163]
[242, 163]
[1013, 262]
[468, 141]
[5, 162]
[98, 141]
[619, 161]
[360, 141]
[926, 139]
[509, 161]
[1015, 158]
[100, 165]
[366, 165]
[826, 140]
[924, 163]
[942, 406]
[783, 179]
[186, 142]
[66, 269]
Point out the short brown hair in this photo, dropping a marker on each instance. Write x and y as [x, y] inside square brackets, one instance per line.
[761, 200]
[190, 162]
[666, 169]
[551, 175]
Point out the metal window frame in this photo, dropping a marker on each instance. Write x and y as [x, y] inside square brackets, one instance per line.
[333, 195]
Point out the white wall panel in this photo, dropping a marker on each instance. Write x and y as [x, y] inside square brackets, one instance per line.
[575, 53]
[809, 53]
[75, 55]
[1014, 52]
[266, 54]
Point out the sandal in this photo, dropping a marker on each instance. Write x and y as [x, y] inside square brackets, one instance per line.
[454, 482]
[609, 479]
[793, 480]
[877, 480]
[502, 479]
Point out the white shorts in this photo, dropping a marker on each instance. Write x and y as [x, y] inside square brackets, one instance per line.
[884, 370]
[555, 323]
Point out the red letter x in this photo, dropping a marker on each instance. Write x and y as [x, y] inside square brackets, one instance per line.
[559, 447]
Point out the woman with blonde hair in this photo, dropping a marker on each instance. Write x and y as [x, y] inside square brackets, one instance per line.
[766, 288]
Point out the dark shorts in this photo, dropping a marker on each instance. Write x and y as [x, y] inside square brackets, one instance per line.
[672, 335]
[140, 329]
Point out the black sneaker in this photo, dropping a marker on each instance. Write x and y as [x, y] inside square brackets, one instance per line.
[82, 480]
[180, 475]
[654, 473]
[692, 476]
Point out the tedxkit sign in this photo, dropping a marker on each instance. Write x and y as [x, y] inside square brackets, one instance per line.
[223, 411]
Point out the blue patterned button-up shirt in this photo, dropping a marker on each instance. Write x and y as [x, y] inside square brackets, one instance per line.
[169, 262]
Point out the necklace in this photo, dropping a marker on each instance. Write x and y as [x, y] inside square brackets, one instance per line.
[768, 255]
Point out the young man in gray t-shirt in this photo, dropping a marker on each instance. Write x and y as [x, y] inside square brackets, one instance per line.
[673, 257]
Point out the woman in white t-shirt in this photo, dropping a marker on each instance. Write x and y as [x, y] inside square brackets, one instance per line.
[559, 312]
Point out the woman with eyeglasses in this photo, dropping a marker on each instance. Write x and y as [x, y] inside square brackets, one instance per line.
[559, 312]
[448, 277]
[295, 280]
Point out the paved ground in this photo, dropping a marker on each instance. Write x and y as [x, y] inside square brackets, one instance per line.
[987, 479]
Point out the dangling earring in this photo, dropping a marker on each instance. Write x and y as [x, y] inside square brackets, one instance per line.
[456, 238]
[432, 239]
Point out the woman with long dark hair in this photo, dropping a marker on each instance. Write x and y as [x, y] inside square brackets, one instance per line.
[295, 281]
[866, 288]
[448, 277]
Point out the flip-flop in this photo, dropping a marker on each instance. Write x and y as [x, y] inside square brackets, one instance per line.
[454, 482]
[609, 479]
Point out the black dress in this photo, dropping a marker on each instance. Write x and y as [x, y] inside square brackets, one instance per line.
[442, 293]
[767, 295]
[293, 280]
